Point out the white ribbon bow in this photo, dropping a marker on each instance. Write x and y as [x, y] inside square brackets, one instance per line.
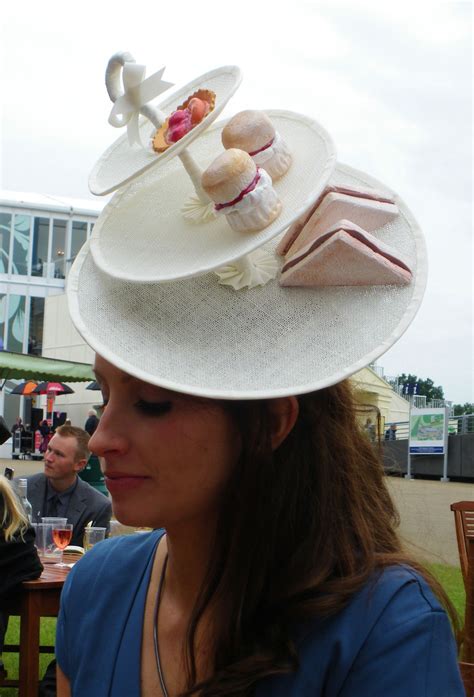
[137, 93]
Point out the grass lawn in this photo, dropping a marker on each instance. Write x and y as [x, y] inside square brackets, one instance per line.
[449, 576]
[48, 631]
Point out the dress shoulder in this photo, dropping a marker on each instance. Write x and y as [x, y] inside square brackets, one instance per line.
[392, 638]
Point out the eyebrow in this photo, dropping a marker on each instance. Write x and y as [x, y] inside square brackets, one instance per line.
[124, 377]
[55, 451]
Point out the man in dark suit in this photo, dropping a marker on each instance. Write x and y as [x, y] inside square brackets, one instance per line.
[59, 492]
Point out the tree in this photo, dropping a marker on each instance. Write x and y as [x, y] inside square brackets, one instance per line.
[425, 386]
[466, 408]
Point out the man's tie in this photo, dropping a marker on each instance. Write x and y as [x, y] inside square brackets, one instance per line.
[54, 506]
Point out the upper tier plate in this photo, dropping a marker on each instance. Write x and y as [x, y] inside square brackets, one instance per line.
[121, 163]
[130, 243]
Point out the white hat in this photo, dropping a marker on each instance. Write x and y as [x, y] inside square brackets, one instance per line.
[144, 293]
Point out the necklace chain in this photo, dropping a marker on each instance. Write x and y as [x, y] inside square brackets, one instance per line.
[155, 629]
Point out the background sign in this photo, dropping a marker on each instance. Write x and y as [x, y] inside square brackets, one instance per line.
[428, 431]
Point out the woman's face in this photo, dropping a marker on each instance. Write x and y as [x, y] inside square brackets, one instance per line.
[167, 456]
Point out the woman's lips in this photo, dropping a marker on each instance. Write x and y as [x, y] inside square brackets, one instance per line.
[116, 483]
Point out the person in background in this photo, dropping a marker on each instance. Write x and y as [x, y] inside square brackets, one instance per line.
[391, 432]
[370, 430]
[59, 492]
[45, 431]
[19, 559]
[18, 425]
[91, 422]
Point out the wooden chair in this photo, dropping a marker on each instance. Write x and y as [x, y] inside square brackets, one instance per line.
[464, 521]
[468, 630]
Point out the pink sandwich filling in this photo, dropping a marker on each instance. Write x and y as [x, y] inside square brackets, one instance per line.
[356, 235]
[346, 190]
[247, 190]
[265, 147]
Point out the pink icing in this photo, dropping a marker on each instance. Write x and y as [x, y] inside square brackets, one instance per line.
[183, 120]
[178, 125]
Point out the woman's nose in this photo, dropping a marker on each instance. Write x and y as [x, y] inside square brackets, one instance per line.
[109, 436]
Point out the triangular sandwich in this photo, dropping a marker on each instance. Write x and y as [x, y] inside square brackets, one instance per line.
[345, 255]
[369, 208]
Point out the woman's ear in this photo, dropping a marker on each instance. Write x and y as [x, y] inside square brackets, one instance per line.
[283, 412]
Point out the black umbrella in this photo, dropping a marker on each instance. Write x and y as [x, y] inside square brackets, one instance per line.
[94, 385]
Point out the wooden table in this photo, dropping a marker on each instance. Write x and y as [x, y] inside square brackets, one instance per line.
[34, 599]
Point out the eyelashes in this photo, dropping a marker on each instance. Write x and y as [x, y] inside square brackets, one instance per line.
[148, 408]
[153, 408]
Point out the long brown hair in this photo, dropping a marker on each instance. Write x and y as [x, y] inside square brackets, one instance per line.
[301, 530]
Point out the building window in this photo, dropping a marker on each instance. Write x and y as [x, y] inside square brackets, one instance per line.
[21, 244]
[16, 323]
[78, 237]
[58, 251]
[35, 331]
[40, 246]
[5, 225]
[3, 316]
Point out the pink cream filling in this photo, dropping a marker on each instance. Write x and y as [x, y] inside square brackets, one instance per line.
[247, 190]
[265, 147]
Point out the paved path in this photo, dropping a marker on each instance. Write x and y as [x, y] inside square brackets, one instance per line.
[427, 523]
[22, 468]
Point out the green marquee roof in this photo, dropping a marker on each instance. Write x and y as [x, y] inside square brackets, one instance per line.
[19, 366]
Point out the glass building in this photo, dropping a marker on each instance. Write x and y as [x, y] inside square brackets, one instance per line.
[40, 237]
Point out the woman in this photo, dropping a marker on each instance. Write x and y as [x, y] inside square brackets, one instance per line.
[280, 572]
[227, 423]
[19, 559]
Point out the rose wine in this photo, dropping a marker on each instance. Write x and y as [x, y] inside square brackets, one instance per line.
[62, 537]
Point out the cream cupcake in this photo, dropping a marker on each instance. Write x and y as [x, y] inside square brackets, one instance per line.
[241, 191]
[253, 132]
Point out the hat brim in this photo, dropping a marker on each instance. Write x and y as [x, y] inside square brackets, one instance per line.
[142, 236]
[200, 338]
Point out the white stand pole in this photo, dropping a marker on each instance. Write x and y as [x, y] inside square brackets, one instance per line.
[409, 474]
[157, 118]
[445, 477]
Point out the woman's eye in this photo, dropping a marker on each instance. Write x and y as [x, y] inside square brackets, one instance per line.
[153, 408]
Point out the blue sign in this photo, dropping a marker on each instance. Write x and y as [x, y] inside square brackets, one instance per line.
[427, 450]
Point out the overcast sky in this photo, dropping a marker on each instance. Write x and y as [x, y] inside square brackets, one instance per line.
[392, 84]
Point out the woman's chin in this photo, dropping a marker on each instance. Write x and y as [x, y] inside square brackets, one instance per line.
[133, 519]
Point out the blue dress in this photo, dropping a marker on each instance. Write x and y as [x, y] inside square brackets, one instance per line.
[392, 640]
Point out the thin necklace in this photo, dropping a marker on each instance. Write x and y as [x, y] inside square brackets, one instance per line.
[155, 629]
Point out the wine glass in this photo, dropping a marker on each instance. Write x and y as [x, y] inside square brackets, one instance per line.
[62, 534]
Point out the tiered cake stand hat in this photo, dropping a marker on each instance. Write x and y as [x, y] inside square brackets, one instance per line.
[149, 293]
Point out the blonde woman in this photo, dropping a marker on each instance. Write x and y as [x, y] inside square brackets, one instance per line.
[18, 556]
